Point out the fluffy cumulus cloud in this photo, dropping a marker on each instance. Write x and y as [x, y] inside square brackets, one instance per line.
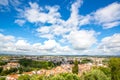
[108, 16]
[110, 44]
[82, 39]
[6, 4]
[13, 45]
[20, 22]
[6, 42]
[35, 14]
[6, 38]
[61, 27]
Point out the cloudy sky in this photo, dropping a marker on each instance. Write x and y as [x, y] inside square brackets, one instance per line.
[60, 27]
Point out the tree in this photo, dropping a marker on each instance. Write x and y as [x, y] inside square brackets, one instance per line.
[71, 77]
[75, 67]
[6, 72]
[114, 65]
[62, 76]
[3, 63]
[94, 75]
[57, 77]
[2, 78]
[25, 62]
[86, 61]
[1, 69]
[40, 77]
[106, 71]
[65, 76]
[36, 64]
[24, 77]
[20, 70]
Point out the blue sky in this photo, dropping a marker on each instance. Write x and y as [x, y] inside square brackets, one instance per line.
[60, 27]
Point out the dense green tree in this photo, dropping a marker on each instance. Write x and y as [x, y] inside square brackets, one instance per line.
[65, 76]
[1, 69]
[71, 77]
[3, 63]
[36, 64]
[86, 61]
[57, 77]
[106, 71]
[40, 77]
[25, 62]
[114, 65]
[36, 77]
[24, 77]
[75, 67]
[105, 61]
[94, 75]
[6, 72]
[20, 70]
[2, 78]
[62, 76]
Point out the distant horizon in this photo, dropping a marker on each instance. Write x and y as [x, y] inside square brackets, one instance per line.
[61, 55]
[60, 27]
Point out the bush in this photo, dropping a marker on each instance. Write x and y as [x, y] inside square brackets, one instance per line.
[36, 64]
[6, 72]
[86, 61]
[106, 71]
[65, 76]
[2, 63]
[62, 76]
[114, 65]
[75, 67]
[1, 69]
[2, 78]
[24, 77]
[71, 77]
[57, 77]
[94, 75]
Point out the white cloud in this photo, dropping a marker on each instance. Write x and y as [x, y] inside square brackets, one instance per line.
[43, 30]
[69, 29]
[23, 46]
[61, 27]
[20, 22]
[6, 42]
[15, 3]
[4, 39]
[65, 32]
[22, 43]
[74, 17]
[51, 31]
[11, 44]
[82, 39]
[110, 44]
[37, 14]
[50, 44]
[4, 2]
[85, 20]
[110, 25]
[108, 16]
[5, 5]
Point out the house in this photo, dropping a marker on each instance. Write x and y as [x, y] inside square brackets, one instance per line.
[41, 72]
[12, 77]
[28, 73]
[84, 68]
[11, 65]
